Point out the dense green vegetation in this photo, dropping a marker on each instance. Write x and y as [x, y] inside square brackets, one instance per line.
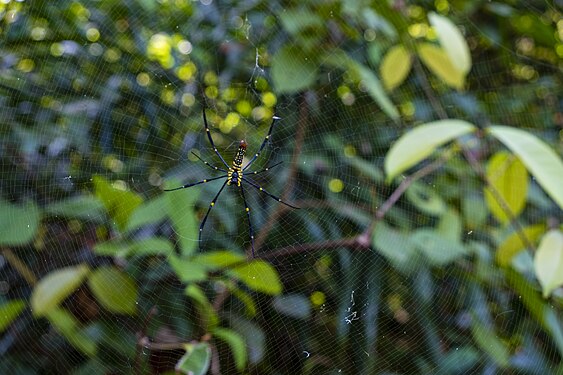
[421, 141]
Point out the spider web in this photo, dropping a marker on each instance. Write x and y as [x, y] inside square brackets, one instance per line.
[339, 306]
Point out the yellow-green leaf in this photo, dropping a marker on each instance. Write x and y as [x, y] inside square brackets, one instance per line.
[548, 261]
[236, 343]
[508, 176]
[452, 41]
[259, 276]
[540, 160]
[218, 259]
[10, 311]
[114, 289]
[421, 142]
[187, 270]
[67, 325]
[55, 287]
[395, 67]
[439, 63]
[180, 208]
[196, 361]
[119, 203]
[513, 244]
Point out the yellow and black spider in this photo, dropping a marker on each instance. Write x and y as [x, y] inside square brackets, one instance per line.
[236, 176]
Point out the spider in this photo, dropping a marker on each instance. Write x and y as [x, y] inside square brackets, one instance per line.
[236, 175]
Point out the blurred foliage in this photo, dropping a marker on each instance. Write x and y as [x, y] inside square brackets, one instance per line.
[100, 104]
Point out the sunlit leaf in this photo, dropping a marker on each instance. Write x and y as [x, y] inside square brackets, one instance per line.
[114, 289]
[259, 276]
[540, 160]
[395, 67]
[196, 360]
[236, 343]
[187, 270]
[56, 287]
[180, 208]
[548, 261]
[513, 244]
[126, 248]
[439, 63]
[120, 204]
[292, 70]
[489, 342]
[10, 311]
[452, 41]
[65, 323]
[421, 142]
[18, 223]
[509, 178]
[149, 212]
[218, 259]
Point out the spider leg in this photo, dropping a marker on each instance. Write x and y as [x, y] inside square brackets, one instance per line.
[255, 185]
[196, 183]
[263, 143]
[247, 209]
[211, 139]
[265, 169]
[209, 210]
[209, 165]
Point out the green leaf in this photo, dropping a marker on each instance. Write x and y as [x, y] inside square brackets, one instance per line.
[548, 262]
[513, 244]
[450, 226]
[488, 341]
[438, 250]
[293, 305]
[395, 246]
[540, 160]
[180, 207]
[452, 41]
[236, 343]
[67, 325]
[395, 67]
[114, 289]
[218, 259]
[439, 63]
[187, 270]
[508, 176]
[85, 207]
[18, 224]
[259, 276]
[196, 361]
[10, 311]
[56, 287]
[244, 298]
[293, 70]
[426, 199]
[119, 203]
[421, 142]
[127, 248]
[474, 211]
[296, 21]
[207, 313]
[253, 336]
[150, 212]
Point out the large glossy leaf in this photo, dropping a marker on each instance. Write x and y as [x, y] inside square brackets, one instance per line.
[548, 261]
[236, 343]
[513, 244]
[55, 287]
[149, 212]
[421, 142]
[85, 207]
[218, 259]
[439, 63]
[119, 203]
[259, 276]
[489, 342]
[509, 178]
[540, 160]
[114, 289]
[196, 360]
[18, 223]
[292, 70]
[452, 41]
[10, 311]
[180, 208]
[187, 270]
[395, 67]
[68, 326]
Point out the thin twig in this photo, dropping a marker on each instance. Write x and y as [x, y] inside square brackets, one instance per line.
[19, 266]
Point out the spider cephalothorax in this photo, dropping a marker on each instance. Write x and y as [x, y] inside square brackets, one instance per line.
[235, 176]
